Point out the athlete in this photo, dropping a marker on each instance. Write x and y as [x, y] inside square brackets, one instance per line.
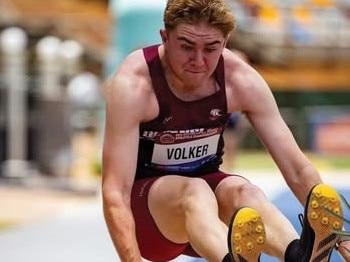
[163, 191]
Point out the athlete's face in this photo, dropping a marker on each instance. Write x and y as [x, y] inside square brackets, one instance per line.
[192, 51]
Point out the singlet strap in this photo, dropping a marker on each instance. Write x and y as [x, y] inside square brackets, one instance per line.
[156, 71]
[150, 53]
[159, 82]
[220, 72]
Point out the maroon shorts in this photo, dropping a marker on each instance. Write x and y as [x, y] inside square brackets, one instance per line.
[153, 245]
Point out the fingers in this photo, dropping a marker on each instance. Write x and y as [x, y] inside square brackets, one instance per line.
[344, 250]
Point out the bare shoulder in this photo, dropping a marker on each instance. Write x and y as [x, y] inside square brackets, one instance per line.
[244, 84]
[131, 85]
[130, 77]
[239, 72]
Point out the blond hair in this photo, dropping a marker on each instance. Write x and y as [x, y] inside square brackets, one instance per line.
[215, 12]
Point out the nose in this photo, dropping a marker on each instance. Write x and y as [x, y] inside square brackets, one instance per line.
[198, 58]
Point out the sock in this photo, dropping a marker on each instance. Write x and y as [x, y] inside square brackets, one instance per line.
[292, 251]
[227, 258]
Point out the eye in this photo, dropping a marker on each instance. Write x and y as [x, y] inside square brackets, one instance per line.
[186, 47]
[210, 50]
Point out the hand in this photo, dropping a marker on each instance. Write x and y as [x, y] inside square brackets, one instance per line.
[344, 250]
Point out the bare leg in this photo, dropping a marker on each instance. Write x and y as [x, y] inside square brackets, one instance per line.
[185, 209]
[279, 230]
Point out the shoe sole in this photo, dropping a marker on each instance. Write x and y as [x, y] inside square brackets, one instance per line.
[246, 235]
[323, 201]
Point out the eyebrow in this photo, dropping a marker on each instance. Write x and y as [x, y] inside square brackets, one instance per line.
[192, 43]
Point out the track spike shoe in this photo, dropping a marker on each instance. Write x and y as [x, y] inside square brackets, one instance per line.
[319, 223]
[246, 237]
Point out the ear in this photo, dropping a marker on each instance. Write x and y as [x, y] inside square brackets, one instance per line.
[227, 38]
[163, 35]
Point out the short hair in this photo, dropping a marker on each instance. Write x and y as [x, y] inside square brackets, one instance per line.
[215, 12]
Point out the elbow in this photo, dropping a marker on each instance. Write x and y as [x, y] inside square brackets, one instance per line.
[114, 198]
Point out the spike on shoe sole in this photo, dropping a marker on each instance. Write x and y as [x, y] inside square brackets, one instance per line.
[323, 201]
[246, 236]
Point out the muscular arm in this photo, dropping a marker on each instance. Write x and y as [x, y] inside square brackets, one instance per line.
[255, 98]
[297, 170]
[122, 94]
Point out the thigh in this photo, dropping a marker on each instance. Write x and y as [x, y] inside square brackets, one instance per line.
[171, 197]
[153, 245]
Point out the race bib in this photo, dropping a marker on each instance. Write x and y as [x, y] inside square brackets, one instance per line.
[185, 153]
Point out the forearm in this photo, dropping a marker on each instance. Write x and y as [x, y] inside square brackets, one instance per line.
[302, 181]
[121, 227]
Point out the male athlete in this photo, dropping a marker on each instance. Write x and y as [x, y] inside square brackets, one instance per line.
[163, 192]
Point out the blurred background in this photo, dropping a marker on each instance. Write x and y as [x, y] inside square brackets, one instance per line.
[54, 55]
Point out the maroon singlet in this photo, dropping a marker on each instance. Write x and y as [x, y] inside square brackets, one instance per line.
[186, 137]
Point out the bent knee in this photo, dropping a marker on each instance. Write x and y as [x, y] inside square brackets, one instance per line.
[197, 194]
[252, 194]
[238, 188]
[236, 193]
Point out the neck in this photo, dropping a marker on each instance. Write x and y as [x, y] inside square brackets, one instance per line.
[189, 92]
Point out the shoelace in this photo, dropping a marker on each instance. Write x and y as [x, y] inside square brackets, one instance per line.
[301, 219]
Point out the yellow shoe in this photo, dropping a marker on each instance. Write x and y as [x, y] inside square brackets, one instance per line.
[317, 237]
[246, 236]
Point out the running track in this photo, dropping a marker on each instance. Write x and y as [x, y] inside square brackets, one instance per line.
[82, 236]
